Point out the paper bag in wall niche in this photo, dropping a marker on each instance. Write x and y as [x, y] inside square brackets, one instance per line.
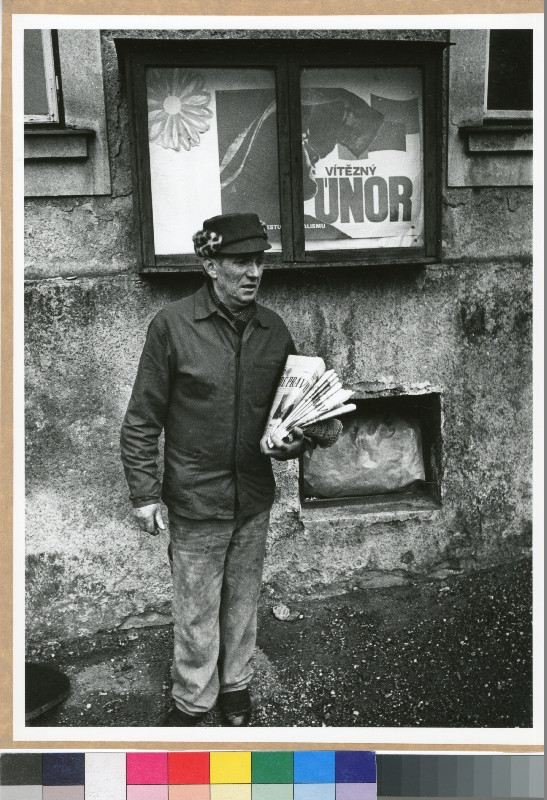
[375, 454]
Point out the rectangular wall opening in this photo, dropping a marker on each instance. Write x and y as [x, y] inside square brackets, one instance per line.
[389, 454]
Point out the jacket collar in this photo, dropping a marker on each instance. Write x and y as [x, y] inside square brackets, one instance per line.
[204, 307]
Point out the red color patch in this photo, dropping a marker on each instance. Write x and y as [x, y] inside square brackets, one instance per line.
[188, 768]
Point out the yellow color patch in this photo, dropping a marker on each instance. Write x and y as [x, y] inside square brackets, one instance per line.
[230, 768]
[230, 791]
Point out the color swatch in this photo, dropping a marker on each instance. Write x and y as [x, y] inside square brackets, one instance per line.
[411, 775]
[266, 775]
[216, 775]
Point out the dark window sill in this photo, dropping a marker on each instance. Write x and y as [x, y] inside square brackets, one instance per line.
[415, 503]
[361, 260]
[61, 143]
[499, 138]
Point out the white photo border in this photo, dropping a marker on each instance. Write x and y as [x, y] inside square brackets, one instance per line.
[404, 737]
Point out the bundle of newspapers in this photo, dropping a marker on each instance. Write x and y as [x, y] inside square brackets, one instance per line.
[307, 393]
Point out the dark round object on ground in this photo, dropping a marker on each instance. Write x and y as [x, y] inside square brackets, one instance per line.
[45, 687]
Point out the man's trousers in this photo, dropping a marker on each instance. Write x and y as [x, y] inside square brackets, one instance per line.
[217, 574]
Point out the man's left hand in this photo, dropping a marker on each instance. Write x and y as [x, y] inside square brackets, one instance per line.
[282, 450]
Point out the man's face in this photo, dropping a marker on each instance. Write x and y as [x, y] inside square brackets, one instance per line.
[236, 278]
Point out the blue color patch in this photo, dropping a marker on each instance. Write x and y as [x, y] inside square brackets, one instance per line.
[314, 791]
[63, 769]
[354, 766]
[314, 766]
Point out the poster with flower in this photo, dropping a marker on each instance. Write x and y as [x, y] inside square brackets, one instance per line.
[213, 149]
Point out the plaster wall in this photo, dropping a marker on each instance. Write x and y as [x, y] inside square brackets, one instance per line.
[464, 328]
[463, 325]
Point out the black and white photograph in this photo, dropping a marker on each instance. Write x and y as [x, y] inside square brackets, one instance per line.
[278, 386]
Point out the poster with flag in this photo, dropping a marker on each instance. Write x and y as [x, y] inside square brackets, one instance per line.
[214, 149]
[363, 154]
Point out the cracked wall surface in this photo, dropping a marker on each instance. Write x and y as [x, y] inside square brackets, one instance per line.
[463, 325]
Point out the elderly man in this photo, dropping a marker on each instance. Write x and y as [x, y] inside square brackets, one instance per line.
[207, 376]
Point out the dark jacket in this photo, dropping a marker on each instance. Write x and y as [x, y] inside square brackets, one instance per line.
[211, 392]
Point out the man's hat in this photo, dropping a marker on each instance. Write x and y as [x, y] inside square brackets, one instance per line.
[231, 233]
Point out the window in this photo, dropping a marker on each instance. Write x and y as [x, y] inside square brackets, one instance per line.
[490, 136]
[335, 145]
[66, 147]
[510, 74]
[41, 77]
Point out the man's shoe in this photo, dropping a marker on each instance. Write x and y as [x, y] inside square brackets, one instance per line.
[235, 708]
[179, 719]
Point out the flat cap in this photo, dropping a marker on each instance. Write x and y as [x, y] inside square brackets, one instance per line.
[231, 233]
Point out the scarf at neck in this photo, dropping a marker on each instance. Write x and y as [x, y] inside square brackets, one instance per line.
[239, 318]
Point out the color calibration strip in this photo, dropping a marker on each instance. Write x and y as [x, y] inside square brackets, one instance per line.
[411, 775]
[223, 775]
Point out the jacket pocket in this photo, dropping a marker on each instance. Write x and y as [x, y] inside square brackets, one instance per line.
[265, 379]
[195, 386]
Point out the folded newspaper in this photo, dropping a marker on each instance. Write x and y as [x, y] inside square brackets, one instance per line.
[307, 393]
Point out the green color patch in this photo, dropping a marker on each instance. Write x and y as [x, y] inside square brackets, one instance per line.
[272, 767]
[272, 791]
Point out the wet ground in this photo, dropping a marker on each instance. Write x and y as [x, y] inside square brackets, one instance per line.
[452, 653]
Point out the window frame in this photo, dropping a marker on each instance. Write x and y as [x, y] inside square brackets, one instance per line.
[52, 73]
[286, 58]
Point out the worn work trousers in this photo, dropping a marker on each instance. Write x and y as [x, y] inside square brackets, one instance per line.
[217, 573]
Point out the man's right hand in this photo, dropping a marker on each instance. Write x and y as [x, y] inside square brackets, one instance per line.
[149, 518]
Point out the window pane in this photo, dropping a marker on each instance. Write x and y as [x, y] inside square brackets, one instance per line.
[213, 150]
[36, 96]
[510, 70]
[362, 141]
